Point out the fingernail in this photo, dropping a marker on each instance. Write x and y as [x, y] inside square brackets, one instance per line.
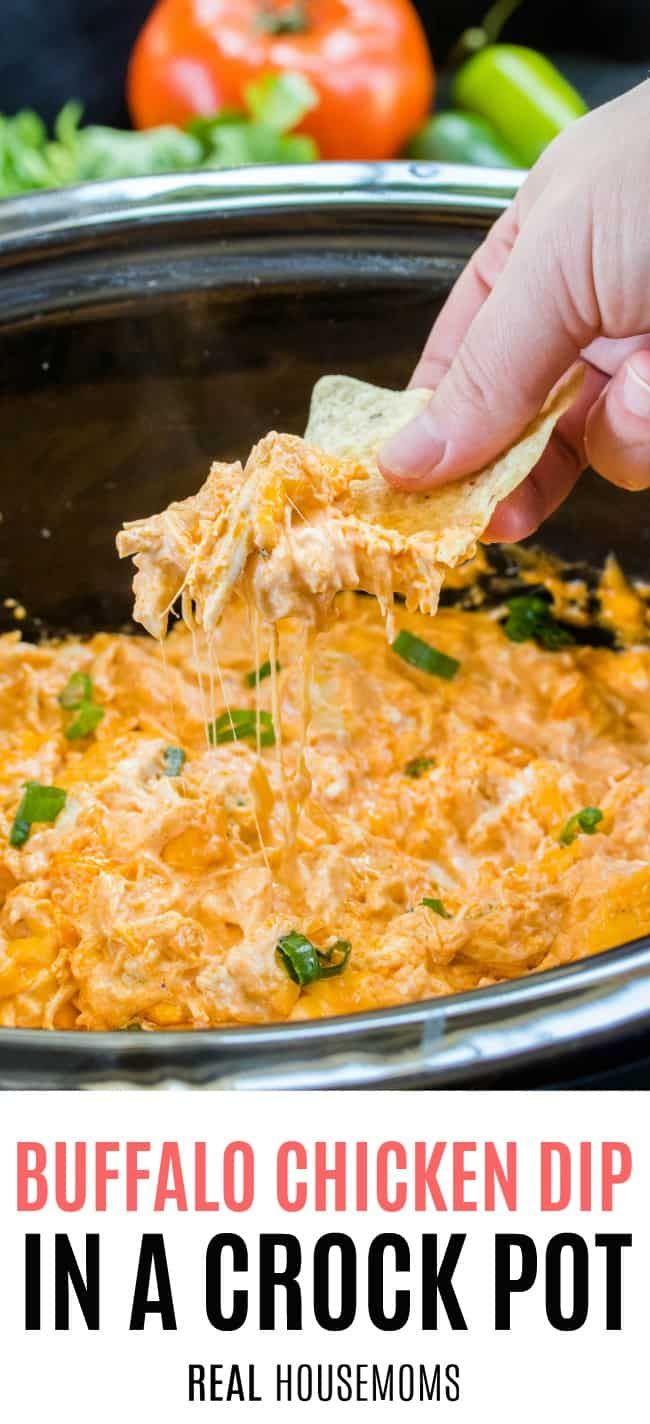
[636, 393]
[415, 450]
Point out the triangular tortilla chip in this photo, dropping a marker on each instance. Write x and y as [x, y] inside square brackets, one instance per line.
[303, 522]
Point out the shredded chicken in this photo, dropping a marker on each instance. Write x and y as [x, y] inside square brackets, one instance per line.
[300, 525]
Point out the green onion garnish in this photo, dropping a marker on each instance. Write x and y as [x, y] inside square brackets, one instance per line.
[258, 674]
[239, 723]
[437, 906]
[88, 717]
[78, 689]
[305, 964]
[38, 803]
[418, 766]
[421, 655]
[587, 821]
[174, 759]
[529, 616]
[77, 696]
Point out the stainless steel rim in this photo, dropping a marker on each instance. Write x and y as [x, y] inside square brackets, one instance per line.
[448, 1040]
[40, 220]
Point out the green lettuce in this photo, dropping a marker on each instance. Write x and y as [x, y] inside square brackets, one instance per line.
[259, 133]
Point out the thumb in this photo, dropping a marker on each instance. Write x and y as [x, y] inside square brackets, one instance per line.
[526, 334]
[617, 433]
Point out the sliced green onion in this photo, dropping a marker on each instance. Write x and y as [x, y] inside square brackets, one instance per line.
[437, 906]
[333, 960]
[305, 964]
[529, 616]
[258, 674]
[553, 636]
[418, 766]
[299, 957]
[174, 759]
[422, 656]
[239, 723]
[78, 689]
[87, 719]
[586, 821]
[38, 804]
[77, 696]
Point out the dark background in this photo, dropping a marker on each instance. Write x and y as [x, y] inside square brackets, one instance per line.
[53, 50]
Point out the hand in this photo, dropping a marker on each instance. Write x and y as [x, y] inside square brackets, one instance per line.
[563, 275]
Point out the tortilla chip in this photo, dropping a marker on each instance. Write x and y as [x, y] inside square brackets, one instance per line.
[351, 419]
[302, 522]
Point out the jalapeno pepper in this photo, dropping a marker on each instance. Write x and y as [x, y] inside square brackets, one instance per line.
[521, 93]
[453, 136]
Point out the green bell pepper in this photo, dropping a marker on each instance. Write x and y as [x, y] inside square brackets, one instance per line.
[453, 136]
[521, 93]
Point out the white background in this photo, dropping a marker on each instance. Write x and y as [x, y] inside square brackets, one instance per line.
[531, 1374]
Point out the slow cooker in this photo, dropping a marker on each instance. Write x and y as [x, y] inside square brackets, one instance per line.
[149, 326]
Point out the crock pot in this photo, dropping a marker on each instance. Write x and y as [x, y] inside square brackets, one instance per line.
[149, 326]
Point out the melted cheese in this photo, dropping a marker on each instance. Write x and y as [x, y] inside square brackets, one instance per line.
[160, 900]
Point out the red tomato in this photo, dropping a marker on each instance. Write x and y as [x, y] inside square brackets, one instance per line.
[368, 60]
